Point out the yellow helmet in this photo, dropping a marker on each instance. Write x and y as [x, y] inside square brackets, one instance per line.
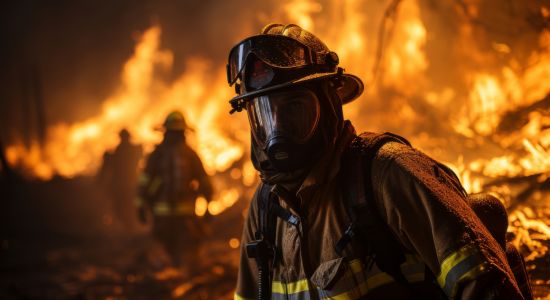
[175, 121]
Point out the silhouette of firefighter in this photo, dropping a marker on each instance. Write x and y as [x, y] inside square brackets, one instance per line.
[345, 216]
[119, 174]
[172, 180]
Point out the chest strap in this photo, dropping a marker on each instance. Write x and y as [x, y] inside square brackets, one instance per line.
[264, 249]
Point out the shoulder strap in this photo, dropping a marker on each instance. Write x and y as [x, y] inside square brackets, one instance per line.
[368, 144]
[263, 212]
[262, 249]
[366, 222]
[269, 210]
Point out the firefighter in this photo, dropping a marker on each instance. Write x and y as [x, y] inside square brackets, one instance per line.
[172, 180]
[344, 216]
[118, 174]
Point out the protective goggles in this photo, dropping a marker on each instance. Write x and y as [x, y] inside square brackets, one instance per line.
[275, 50]
[292, 114]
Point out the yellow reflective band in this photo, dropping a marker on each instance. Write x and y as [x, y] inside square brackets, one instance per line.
[164, 208]
[462, 265]
[356, 266]
[143, 179]
[279, 287]
[452, 260]
[361, 288]
[161, 208]
[154, 186]
[238, 297]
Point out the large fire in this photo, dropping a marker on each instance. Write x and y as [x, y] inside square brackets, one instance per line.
[465, 96]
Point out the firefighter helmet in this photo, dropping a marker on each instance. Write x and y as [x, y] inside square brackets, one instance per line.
[175, 121]
[282, 56]
[124, 134]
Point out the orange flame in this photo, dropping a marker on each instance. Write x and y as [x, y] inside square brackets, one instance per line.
[401, 93]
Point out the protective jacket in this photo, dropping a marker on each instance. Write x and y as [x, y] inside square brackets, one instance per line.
[449, 252]
[172, 180]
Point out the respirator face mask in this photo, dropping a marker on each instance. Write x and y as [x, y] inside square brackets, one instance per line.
[283, 123]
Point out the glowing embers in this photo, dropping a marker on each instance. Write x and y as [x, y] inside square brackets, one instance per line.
[531, 227]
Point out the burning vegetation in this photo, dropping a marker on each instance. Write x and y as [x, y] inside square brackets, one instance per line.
[468, 82]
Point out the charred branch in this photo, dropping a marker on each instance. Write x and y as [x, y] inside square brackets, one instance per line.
[513, 180]
[515, 120]
[390, 14]
[534, 183]
[536, 20]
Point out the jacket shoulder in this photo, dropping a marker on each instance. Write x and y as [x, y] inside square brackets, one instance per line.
[383, 146]
[398, 156]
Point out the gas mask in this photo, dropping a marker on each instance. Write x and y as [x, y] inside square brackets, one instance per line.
[283, 126]
[277, 76]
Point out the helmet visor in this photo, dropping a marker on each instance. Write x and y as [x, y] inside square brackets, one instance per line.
[274, 50]
[291, 114]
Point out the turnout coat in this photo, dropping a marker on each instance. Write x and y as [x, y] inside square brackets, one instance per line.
[449, 252]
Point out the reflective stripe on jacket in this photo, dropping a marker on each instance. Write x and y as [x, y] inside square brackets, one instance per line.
[172, 180]
[180, 208]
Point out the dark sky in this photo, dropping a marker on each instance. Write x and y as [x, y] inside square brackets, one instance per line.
[76, 48]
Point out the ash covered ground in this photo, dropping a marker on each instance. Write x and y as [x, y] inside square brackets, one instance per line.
[60, 241]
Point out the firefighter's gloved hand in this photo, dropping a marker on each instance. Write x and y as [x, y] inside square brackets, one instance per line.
[142, 215]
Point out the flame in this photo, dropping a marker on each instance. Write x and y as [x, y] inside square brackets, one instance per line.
[227, 199]
[140, 104]
[524, 222]
[300, 11]
[390, 45]
[407, 59]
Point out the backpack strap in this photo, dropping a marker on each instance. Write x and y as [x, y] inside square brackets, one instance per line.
[357, 182]
[365, 221]
[368, 144]
[262, 249]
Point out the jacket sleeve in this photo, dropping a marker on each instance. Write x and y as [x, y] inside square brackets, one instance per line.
[429, 214]
[247, 280]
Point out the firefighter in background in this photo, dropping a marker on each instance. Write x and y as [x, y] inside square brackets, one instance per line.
[119, 173]
[342, 216]
[169, 185]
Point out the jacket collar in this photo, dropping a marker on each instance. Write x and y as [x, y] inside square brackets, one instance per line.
[329, 164]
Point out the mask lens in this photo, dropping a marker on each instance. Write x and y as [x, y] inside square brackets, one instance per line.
[237, 58]
[259, 75]
[291, 114]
